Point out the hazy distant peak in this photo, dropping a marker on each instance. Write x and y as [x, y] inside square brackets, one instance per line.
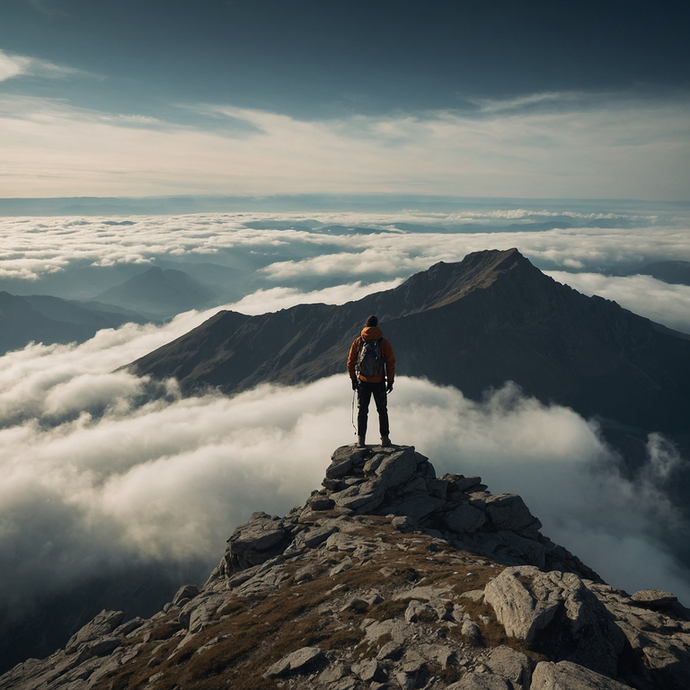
[159, 292]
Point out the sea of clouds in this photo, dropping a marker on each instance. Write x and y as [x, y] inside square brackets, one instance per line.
[101, 467]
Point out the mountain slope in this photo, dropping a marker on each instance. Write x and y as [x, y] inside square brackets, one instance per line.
[388, 577]
[475, 324]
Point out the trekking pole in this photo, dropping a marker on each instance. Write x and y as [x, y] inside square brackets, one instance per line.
[354, 395]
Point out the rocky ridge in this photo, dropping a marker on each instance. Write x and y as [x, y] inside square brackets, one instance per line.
[388, 577]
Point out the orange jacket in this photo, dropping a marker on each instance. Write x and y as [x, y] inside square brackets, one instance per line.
[372, 333]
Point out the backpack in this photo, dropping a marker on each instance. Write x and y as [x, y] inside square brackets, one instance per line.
[370, 361]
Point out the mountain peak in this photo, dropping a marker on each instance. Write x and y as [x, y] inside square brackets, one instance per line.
[491, 318]
[444, 283]
[387, 577]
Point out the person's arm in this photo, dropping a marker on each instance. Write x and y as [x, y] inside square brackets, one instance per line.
[352, 359]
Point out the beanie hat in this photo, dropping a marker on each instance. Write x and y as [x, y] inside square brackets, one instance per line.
[372, 321]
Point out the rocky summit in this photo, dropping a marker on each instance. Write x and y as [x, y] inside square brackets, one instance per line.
[388, 577]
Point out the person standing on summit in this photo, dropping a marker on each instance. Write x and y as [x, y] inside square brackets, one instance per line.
[371, 366]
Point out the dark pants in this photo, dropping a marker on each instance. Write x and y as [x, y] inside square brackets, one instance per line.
[364, 393]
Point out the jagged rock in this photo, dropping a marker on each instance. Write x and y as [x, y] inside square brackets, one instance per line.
[322, 503]
[129, 626]
[416, 610]
[404, 523]
[344, 459]
[184, 594]
[527, 601]
[412, 671]
[103, 624]
[473, 594]
[99, 647]
[647, 630]
[390, 650]
[460, 483]
[653, 598]
[566, 675]
[471, 630]
[400, 631]
[310, 539]
[256, 541]
[509, 512]
[369, 671]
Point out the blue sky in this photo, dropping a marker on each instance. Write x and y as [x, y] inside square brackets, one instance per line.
[494, 98]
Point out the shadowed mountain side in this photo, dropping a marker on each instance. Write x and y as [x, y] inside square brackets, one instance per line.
[475, 324]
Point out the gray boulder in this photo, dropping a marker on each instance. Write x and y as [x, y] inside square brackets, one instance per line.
[511, 664]
[302, 661]
[255, 542]
[465, 518]
[527, 601]
[509, 512]
[566, 675]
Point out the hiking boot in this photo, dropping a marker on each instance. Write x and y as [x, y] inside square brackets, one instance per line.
[360, 442]
[385, 441]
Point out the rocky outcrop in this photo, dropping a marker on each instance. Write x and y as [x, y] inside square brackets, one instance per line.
[402, 483]
[388, 577]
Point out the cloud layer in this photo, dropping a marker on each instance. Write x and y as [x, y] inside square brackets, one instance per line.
[101, 468]
[302, 263]
[34, 246]
[91, 477]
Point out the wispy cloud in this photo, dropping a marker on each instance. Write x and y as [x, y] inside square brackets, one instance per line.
[12, 66]
[610, 149]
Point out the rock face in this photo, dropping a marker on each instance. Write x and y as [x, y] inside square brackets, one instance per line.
[388, 577]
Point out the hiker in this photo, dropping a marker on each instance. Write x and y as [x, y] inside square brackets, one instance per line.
[371, 366]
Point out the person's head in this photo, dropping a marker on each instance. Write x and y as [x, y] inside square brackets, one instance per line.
[372, 321]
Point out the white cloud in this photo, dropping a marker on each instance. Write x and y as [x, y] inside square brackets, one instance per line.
[170, 479]
[12, 66]
[41, 381]
[33, 246]
[274, 299]
[602, 148]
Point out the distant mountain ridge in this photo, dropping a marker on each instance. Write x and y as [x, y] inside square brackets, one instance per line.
[476, 324]
[46, 319]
